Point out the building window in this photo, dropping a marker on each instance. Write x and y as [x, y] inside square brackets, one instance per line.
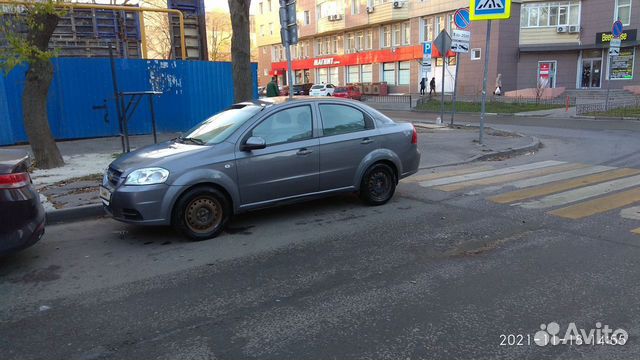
[389, 73]
[270, 28]
[439, 25]
[349, 44]
[427, 29]
[326, 47]
[355, 7]
[269, 5]
[386, 36]
[396, 34]
[307, 17]
[622, 67]
[367, 73]
[353, 74]
[548, 14]
[334, 48]
[266, 72]
[359, 40]
[451, 25]
[261, 7]
[476, 54]
[321, 76]
[406, 33]
[333, 76]
[404, 73]
[547, 74]
[368, 40]
[262, 30]
[623, 11]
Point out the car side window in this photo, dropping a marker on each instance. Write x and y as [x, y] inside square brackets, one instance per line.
[289, 125]
[341, 119]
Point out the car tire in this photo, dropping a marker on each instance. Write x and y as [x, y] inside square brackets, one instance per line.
[378, 184]
[201, 213]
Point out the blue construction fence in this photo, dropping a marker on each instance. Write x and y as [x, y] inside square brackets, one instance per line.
[81, 87]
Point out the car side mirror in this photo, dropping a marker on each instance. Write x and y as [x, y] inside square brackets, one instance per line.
[254, 143]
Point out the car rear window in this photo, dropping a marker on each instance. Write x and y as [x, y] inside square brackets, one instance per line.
[340, 90]
[317, 86]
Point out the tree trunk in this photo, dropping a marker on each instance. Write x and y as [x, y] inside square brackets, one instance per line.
[241, 50]
[36, 121]
[34, 97]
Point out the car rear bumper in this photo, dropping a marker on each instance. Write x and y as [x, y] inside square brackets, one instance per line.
[144, 205]
[25, 222]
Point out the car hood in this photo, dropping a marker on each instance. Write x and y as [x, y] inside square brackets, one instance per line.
[158, 155]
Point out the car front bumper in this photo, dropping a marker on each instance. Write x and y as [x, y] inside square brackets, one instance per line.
[142, 204]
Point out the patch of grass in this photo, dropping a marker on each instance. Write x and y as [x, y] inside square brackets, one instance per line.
[492, 107]
[619, 113]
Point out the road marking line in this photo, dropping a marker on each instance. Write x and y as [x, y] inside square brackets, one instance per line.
[561, 176]
[636, 231]
[485, 174]
[581, 193]
[632, 213]
[508, 177]
[417, 178]
[556, 187]
[599, 205]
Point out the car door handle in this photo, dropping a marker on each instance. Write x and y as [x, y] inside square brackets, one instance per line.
[366, 141]
[304, 151]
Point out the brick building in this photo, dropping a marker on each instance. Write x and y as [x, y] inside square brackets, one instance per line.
[560, 43]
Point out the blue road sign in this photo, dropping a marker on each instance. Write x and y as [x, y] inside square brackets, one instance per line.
[461, 18]
[616, 30]
[426, 49]
[490, 10]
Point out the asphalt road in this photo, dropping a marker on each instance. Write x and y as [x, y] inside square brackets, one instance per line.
[432, 274]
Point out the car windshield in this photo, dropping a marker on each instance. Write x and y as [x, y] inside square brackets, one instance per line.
[217, 128]
[317, 86]
[340, 90]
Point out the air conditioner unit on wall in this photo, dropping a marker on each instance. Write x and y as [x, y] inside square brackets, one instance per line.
[330, 17]
[398, 4]
[337, 17]
[561, 29]
[574, 29]
[370, 9]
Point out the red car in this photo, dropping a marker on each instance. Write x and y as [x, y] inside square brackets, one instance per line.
[349, 92]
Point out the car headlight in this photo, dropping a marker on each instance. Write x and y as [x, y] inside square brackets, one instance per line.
[147, 176]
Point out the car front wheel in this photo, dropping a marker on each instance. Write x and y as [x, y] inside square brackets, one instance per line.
[201, 213]
[378, 185]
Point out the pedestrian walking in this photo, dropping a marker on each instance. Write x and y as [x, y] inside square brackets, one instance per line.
[432, 86]
[498, 90]
[272, 88]
[423, 85]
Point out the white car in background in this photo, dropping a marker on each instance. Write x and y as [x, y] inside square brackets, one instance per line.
[322, 90]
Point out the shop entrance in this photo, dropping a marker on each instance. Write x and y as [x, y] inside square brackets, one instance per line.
[591, 70]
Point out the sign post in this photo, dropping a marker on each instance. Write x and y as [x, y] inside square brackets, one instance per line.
[426, 59]
[614, 51]
[460, 44]
[488, 10]
[443, 43]
[289, 35]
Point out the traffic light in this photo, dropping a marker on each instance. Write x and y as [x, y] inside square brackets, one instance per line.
[288, 23]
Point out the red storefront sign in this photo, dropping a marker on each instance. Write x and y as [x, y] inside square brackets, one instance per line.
[365, 57]
[545, 69]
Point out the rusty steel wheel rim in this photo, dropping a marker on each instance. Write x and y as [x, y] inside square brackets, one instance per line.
[203, 214]
[379, 185]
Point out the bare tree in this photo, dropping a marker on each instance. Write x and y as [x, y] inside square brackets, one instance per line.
[220, 33]
[541, 86]
[241, 50]
[158, 31]
[27, 37]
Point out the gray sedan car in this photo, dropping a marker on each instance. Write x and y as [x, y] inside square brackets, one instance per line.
[259, 154]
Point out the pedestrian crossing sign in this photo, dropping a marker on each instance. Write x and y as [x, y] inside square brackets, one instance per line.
[490, 10]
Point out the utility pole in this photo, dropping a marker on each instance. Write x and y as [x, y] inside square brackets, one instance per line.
[289, 35]
[487, 52]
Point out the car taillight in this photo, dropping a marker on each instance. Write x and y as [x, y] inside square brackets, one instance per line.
[414, 136]
[14, 181]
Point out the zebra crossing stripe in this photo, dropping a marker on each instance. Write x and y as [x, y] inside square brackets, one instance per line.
[508, 177]
[584, 170]
[581, 193]
[599, 205]
[636, 231]
[486, 174]
[418, 178]
[555, 187]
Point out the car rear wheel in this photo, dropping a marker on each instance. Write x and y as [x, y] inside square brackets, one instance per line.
[201, 213]
[378, 185]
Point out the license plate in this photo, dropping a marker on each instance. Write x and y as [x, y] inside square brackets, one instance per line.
[105, 195]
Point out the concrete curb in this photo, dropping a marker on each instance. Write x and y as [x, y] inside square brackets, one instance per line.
[75, 214]
[604, 117]
[532, 146]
